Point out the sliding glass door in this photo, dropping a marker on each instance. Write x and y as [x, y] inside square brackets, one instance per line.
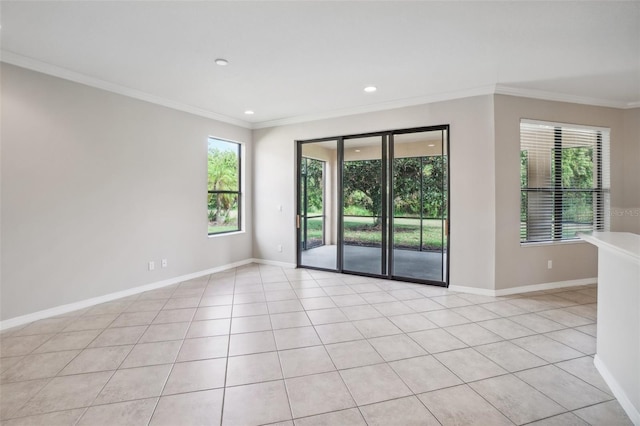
[376, 204]
[317, 204]
[420, 205]
[364, 218]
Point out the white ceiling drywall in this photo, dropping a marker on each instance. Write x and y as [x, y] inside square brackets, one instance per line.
[300, 60]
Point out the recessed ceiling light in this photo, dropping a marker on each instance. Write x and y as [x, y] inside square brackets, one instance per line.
[248, 112]
[222, 62]
[432, 144]
[370, 89]
[357, 150]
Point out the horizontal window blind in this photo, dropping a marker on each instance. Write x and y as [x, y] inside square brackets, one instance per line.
[564, 180]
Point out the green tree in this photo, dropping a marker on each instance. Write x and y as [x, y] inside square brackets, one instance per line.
[406, 186]
[577, 173]
[577, 167]
[312, 171]
[223, 176]
[408, 173]
[524, 182]
[364, 176]
[434, 186]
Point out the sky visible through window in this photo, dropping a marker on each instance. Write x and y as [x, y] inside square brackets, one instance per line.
[223, 145]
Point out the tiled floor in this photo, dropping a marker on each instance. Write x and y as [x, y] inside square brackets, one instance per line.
[262, 345]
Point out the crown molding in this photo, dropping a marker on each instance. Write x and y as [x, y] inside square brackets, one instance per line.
[49, 69]
[502, 89]
[383, 106]
[498, 89]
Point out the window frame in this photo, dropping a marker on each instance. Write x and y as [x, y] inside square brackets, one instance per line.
[600, 191]
[305, 217]
[238, 192]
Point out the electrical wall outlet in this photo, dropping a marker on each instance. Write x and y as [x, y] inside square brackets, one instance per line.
[164, 263]
[549, 264]
[279, 248]
[152, 265]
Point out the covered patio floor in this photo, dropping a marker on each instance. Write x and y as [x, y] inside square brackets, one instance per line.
[424, 265]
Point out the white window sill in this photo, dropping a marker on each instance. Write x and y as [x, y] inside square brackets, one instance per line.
[225, 234]
[553, 243]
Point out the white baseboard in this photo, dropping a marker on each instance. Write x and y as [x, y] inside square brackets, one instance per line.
[618, 392]
[275, 263]
[472, 290]
[63, 309]
[523, 289]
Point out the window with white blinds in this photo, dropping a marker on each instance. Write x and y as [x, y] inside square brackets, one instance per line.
[564, 180]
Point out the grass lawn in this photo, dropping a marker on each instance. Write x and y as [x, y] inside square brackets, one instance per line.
[361, 231]
[222, 228]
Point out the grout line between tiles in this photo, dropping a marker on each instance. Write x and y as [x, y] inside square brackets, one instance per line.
[297, 290]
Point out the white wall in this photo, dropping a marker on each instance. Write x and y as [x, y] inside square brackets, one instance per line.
[519, 265]
[627, 217]
[94, 185]
[472, 180]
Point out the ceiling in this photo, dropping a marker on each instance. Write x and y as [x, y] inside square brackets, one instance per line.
[303, 60]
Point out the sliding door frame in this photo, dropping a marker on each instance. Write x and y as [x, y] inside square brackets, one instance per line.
[446, 223]
[387, 202]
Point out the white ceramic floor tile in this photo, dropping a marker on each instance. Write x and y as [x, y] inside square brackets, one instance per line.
[255, 368]
[250, 343]
[547, 349]
[66, 417]
[574, 339]
[15, 395]
[129, 412]
[349, 417]
[509, 356]
[404, 411]
[376, 327]
[269, 404]
[396, 347]
[40, 366]
[64, 393]
[360, 340]
[566, 419]
[134, 383]
[356, 353]
[608, 413]
[564, 388]
[424, 374]
[437, 340]
[412, 322]
[584, 369]
[320, 393]
[473, 334]
[305, 361]
[196, 375]
[374, 383]
[152, 354]
[193, 408]
[460, 405]
[299, 337]
[338, 332]
[469, 364]
[516, 399]
[203, 348]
